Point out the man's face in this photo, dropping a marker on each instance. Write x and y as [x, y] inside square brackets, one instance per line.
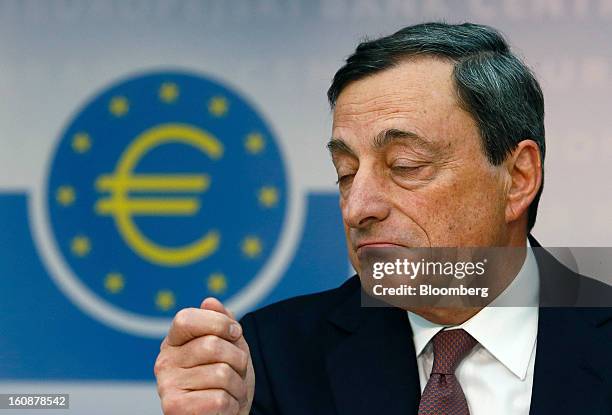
[411, 165]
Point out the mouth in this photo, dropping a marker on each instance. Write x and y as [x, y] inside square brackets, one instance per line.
[376, 244]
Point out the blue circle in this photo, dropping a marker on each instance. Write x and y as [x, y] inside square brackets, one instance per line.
[246, 198]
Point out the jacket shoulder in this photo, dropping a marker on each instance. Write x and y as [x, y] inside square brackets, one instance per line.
[307, 308]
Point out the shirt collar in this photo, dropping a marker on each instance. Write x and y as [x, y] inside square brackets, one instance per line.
[508, 333]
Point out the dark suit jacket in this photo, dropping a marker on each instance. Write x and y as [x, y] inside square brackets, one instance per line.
[324, 354]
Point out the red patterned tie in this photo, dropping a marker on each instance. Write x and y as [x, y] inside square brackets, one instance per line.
[443, 394]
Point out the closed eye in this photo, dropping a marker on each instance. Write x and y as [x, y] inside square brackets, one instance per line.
[406, 169]
[344, 178]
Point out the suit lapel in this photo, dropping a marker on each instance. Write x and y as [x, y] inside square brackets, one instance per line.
[558, 284]
[567, 379]
[372, 363]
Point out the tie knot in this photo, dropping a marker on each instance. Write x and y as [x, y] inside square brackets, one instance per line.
[450, 347]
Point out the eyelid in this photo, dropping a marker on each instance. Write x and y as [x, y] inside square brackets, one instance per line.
[407, 165]
[408, 171]
[344, 169]
[342, 157]
[344, 177]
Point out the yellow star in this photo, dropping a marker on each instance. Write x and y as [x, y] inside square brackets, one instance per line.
[81, 142]
[268, 196]
[80, 245]
[165, 300]
[114, 282]
[251, 246]
[168, 92]
[218, 106]
[254, 143]
[119, 106]
[65, 195]
[217, 283]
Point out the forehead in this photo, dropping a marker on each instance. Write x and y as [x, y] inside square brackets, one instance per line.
[417, 94]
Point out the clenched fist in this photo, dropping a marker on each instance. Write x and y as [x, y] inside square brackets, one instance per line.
[204, 365]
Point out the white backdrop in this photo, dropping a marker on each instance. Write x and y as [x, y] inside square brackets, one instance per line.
[54, 55]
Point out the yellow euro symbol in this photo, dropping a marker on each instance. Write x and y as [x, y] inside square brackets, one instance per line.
[123, 208]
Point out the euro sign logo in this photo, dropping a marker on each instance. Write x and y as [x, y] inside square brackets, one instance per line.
[123, 207]
[165, 188]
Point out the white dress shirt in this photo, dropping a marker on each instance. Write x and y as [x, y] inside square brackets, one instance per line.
[497, 375]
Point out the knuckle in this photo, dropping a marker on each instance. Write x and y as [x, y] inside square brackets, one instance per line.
[162, 363]
[221, 401]
[182, 318]
[224, 373]
[172, 405]
[164, 385]
[212, 345]
[218, 323]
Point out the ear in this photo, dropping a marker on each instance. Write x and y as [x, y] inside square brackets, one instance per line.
[524, 166]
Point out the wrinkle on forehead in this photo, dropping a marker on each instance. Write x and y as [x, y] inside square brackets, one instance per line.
[417, 95]
[401, 90]
[358, 107]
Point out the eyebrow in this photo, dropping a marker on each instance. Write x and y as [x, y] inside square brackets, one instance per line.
[338, 145]
[381, 140]
[393, 135]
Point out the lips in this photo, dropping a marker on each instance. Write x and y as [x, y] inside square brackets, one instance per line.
[377, 244]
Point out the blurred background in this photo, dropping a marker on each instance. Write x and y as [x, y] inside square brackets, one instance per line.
[155, 152]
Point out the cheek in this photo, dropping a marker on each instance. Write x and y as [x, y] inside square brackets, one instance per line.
[460, 211]
[349, 246]
[347, 232]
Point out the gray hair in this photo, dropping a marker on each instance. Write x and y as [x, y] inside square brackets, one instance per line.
[493, 85]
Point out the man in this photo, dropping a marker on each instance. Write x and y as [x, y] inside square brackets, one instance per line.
[438, 141]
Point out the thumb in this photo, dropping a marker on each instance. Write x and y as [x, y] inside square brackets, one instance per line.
[211, 303]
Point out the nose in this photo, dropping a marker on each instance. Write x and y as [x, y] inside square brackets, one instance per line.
[366, 201]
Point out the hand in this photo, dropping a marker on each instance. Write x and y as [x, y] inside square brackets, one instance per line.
[204, 365]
